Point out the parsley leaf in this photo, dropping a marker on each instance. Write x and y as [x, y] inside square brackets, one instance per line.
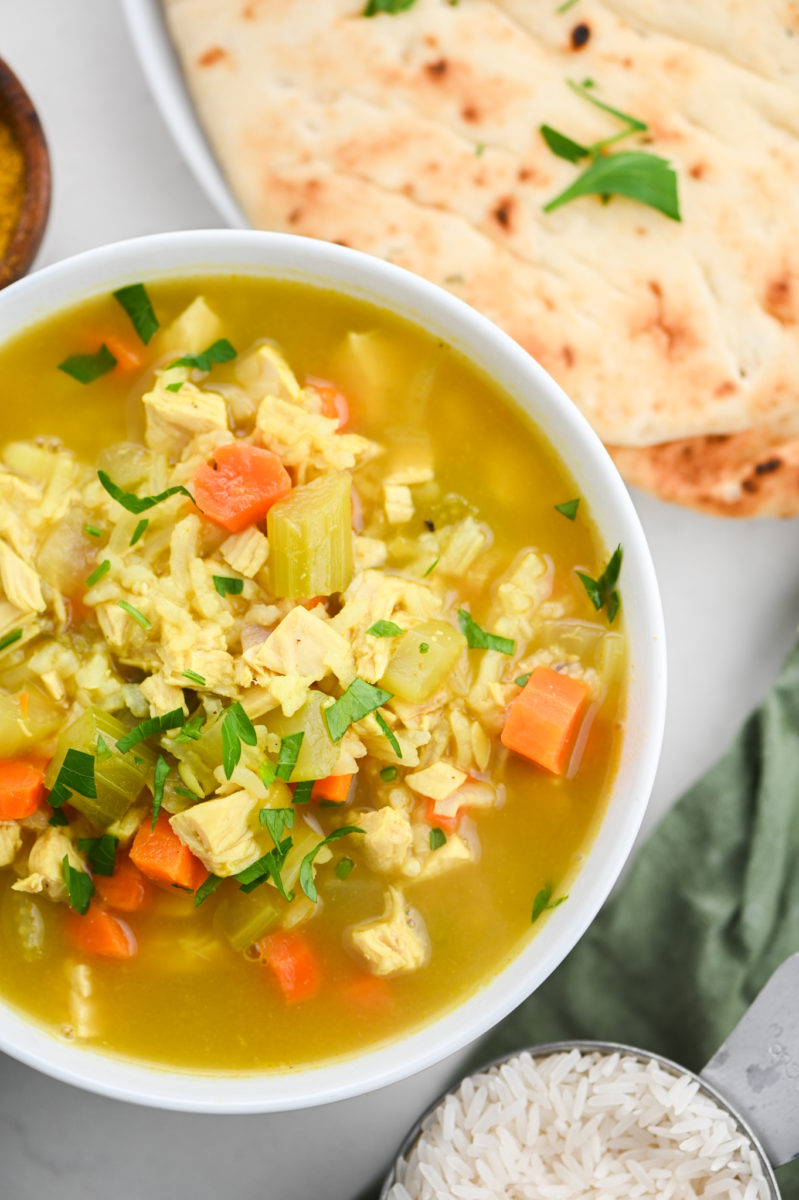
[10, 638]
[563, 146]
[139, 504]
[219, 351]
[227, 586]
[162, 769]
[602, 591]
[92, 531]
[175, 387]
[288, 755]
[543, 901]
[388, 774]
[565, 6]
[75, 775]
[568, 509]
[192, 730]
[307, 882]
[145, 729]
[132, 611]
[193, 677]
[392, 741]
[58, 818]
[357, 701]
[136, 303]
[206, 889]
[387, 6]
[187, 793]
[384, 629]
[268, 867]
[88, 367]
[101, 852]
[138, 531]
[479, 639]
[521, 680]
[236, 728]
[302, 791]
[102, 750]
[277, 821]
[80, 888]
[343, 867]
[431, 568]
[647, 178]
[98, 572]
[437, 838]
[583, 89]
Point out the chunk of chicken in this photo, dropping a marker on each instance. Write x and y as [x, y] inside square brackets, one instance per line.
[265, 372]
[436, 781]
[21, 584]
[395, 943]
[387, 838]
[174, 418]
[455, 852]
[221, 832]
[246, 552]
[306, 645]
[10, 842]
[398, 503]
[45, 865]
[308, 441]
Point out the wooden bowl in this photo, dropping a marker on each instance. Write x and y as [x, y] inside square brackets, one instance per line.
[17, 111]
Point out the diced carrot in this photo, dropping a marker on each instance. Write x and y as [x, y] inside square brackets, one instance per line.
[161, 856]
[126, 890]
[293, 963]
[21, 788]
[334, 787]
[448, 824]
[240, 485]
[542, 720]
[127, 356]
[100, 932]
[366, 994]
[334, 402]
[313, 602]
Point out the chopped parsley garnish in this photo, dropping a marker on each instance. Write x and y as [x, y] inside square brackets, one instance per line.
[302, 791]
[268, 867]
[58, 818]
[431, 568]
[136, 303]
[568, 509]
[543, 901]
[92, 531]
[563, 146]
[236, 728]
[80, 888]
[288, 754]
[388, 774]
[187, 794]
[584, 89]
[192, 730]
[145, 729]
[277, 821]
[358, 701]
[343, 867]
[220, 351]
[175, 387]
[193, 677]
[521, 680]
[98, 572]
[206, 889]
[479, 639]
[162, 769]
[602, 591]
[227, 586]
[384, 629]
[437, 838]
[101, 852]
[139, 504]
[138, 531]
[88, 367]
[392, 741]
[75, 775]
[132, 611]
[307, 882]
[387, 6]
[9, 638]
[565, 6]
[424, 647]
[102, 750]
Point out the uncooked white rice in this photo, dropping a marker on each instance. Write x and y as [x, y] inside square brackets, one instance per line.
[574, 1125]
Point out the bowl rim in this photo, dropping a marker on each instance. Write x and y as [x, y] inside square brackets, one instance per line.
[20, 112]
[203, 253]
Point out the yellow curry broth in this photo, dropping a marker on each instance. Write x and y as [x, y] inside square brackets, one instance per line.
[188, 999]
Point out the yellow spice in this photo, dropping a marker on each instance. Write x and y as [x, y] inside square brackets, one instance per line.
[12, 185]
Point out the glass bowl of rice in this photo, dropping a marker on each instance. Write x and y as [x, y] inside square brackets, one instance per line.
[569, 1121]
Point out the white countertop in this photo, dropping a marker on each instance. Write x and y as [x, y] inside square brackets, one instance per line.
[730, 593]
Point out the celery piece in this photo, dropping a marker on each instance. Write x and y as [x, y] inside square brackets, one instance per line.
[318, 754]
[310, 538]
[243, 917]
[23, 926]
[118, 778]
[198, 757]
[414, 674]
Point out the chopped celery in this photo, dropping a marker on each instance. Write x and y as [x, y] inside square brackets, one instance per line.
[310, 538]
[198, 758]
[119, 778]
[413, 672]
[23, 926]
[610, 659]
[318, 754]
[243, 917]
[42, 718]
[127, 463]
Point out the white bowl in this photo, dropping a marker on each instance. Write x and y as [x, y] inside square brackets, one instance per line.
[266, 255]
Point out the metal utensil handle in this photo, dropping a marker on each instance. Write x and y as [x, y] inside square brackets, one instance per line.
[757, 1067]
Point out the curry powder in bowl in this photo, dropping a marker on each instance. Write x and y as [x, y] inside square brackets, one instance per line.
[24, 178]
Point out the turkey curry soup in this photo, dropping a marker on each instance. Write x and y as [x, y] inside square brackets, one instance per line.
[311, 675]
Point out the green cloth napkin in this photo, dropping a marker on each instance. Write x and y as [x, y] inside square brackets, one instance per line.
[708, 911]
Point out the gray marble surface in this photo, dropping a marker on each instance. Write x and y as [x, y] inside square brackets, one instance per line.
[731, 595]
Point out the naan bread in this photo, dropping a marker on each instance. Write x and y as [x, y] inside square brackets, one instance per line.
[416, 137]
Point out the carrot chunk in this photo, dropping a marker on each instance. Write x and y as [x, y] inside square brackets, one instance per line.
[542, 720]
[128, 359]
[240, 485]
[126, 890]
[293, 964]
[160, 855]
[334, 787]
[100, 932]
[448, 824]
[334, 402]
[21, 788]
[367, 995]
